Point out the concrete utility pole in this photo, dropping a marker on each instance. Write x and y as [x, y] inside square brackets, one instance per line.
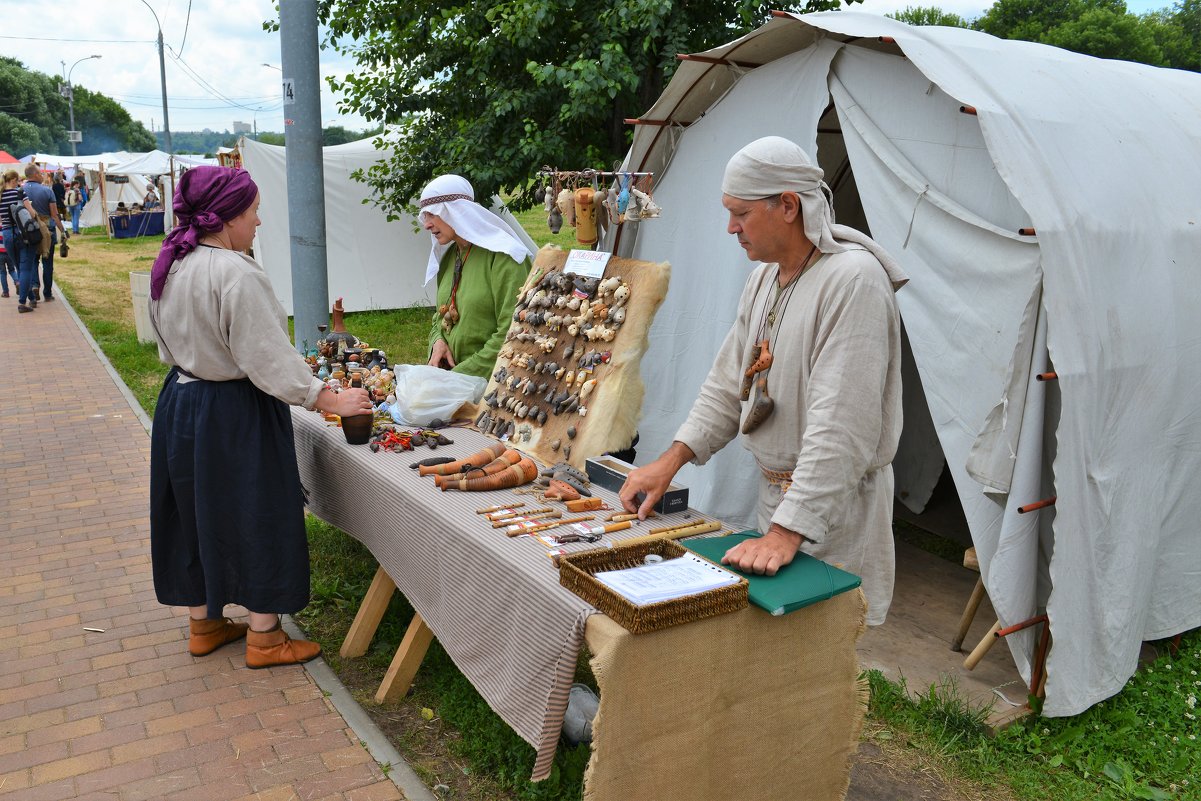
[162, 74]
[306, 178]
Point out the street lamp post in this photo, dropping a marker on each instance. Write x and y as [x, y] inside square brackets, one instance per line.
[71, 97]
[162, 72]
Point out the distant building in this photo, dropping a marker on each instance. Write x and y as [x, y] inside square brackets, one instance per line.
[241, 127]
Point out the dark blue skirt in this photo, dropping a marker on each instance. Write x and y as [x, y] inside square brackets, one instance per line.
[226, 506]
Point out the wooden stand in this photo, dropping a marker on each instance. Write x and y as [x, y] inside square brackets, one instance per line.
[412, 648]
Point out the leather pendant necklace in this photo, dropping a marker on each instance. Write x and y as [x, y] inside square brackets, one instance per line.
[450, 310]
[761, 358]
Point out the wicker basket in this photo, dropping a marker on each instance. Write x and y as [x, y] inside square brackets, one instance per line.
[576, 573]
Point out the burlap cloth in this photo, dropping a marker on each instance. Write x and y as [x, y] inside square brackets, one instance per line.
[742, 706]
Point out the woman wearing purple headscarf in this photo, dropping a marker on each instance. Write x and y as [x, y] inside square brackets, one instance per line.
[226, 509]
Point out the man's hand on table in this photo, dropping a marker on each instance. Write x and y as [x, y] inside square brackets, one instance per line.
[652, 480]
[767, 554]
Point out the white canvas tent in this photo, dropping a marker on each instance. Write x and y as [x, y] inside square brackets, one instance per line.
[141, 169]
[1103, 160]
[373, 263]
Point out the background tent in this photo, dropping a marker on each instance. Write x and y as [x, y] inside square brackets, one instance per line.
[1103, 160]
[157, 167]
[8, 158]
[373, 263]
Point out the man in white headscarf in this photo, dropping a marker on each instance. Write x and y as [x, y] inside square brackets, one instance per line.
[822, 412]
[481, 264]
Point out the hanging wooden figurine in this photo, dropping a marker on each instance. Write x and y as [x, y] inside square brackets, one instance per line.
[648, 209]
[585, 215]
[566, 203]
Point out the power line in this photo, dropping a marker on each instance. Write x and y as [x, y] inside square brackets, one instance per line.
[185, 28]
[97, 41]
[204, 84]
[248, 98]
[175, 105]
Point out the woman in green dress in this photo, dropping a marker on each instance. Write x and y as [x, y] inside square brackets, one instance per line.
[480, 264]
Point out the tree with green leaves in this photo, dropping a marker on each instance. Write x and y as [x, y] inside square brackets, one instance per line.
[34, 116]
[1031, 19]
[106, 126]
[929, 15]
[496, 89]
[1102, 28]
[30, 100]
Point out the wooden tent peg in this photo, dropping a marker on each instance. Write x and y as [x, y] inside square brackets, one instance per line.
[965, 109]
[1025, 232]
[1051, 376]
[1025, 624]
[1030, 507]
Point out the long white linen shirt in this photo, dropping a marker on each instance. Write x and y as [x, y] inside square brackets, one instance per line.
[836, 382]
[218, 318]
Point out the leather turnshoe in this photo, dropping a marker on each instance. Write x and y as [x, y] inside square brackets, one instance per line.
[275, 647]
[209, 635]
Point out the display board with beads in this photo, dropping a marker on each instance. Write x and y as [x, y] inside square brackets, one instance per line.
[567, 384]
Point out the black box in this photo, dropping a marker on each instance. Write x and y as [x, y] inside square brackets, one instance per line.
[610, 473]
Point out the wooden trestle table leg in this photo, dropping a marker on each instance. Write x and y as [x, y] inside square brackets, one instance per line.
[412, 648]
[370, 613]
[969, 613]
[408, 658]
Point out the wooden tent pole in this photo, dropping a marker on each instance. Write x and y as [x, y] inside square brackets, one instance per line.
[108, 227]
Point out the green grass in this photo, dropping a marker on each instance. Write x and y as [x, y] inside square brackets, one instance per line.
[1135, 745]
[342, 572]
[534, 222]
[1143, 743]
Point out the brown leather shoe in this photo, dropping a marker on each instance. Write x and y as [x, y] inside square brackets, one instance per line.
[275, 647]
[209, 635]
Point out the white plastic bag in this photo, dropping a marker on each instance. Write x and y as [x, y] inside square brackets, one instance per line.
[424, 393]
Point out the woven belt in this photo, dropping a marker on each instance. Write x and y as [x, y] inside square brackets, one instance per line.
[777, 478]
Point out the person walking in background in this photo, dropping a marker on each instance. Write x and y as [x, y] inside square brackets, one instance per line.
[46, 207]
[226, 505]
[10, 194]
[74, 200]
[59, 186]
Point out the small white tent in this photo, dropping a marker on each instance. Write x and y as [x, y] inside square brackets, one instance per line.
[373, 263]
[1103, 160]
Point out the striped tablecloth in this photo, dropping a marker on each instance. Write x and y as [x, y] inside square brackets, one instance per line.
[494, 603]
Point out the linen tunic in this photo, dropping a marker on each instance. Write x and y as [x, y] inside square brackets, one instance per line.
[226, 504]
[218, 318]
[836, 382]
[486, 298]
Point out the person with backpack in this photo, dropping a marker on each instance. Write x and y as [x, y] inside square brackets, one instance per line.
[22, 233]
[10, 194]
[46, 206]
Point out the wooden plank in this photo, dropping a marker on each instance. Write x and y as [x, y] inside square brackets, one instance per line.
[371, 612]
[408, 658]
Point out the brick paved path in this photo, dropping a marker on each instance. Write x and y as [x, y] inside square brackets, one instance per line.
[126, 713]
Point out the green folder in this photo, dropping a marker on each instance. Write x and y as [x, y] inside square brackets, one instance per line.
[804, 581]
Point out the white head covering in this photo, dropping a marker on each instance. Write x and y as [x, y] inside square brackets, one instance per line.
[452, 198]
[772, 165]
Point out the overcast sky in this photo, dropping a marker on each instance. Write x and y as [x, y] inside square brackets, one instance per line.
[219, 76]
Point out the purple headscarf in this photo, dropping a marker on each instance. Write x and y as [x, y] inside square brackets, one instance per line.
[205, 199]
